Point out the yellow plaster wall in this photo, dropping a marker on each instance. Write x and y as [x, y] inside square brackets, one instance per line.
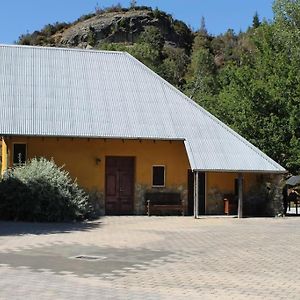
[3, 156]
[79, 157]
[225, 181]
[218, 184]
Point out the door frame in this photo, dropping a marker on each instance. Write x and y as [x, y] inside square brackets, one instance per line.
[133, 179]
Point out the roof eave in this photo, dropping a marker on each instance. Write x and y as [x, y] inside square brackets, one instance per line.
[278, 172]
[94, 137]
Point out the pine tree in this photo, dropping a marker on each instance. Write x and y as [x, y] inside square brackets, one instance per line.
[256, 22]
[203, 29]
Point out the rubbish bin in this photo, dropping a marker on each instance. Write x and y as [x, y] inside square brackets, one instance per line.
[230, 204]
[226, 206]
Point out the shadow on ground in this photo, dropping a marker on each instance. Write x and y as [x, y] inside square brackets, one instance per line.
[21, 228]
[85, 261]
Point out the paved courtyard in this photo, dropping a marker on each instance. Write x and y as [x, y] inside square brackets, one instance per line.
[152, 258]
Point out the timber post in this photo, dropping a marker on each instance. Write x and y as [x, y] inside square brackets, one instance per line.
[196, 195]
[240, 196]
[4, 156]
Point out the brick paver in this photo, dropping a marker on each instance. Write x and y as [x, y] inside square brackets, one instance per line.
[152, 258]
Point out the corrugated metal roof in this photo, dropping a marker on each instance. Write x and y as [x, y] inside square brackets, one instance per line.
[84, 93]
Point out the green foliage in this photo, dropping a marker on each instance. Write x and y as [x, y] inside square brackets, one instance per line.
[112, 47]
[146, 54]
[43, 37]
[152, 37]
[113, 8]
[41, 191]
[173, 67]
[91, 39]
[85, 17]
[202, 70]
[159, 14]
[287, 12]
[255, 22]
[118, 8]
[124, 24]
[184, 34]
[203, 30]
[202, 40]
[251, 81]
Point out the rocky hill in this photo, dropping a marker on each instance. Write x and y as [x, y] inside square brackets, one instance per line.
[113, 25]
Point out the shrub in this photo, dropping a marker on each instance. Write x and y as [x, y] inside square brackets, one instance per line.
[114, 8]
[42, 191]
[85, 17]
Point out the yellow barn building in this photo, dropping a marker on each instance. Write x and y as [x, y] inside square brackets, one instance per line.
[125, 133]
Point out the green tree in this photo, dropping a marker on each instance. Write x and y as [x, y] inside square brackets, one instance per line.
[173, 67]
[251, 81]
[203, 29]
[201, 39]
[147, 54]
[184, 35]
[149, 48]
[202, 72]
[256, 22]
[287, 12]
[91, 38]
[153, 37]
[261, 100]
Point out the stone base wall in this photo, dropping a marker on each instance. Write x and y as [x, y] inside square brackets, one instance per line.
[141, 190]
[139, 199]
[263, 197]
[214, 201]
[97, 198]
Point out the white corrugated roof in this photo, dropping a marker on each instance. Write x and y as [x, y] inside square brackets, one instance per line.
[84, 93]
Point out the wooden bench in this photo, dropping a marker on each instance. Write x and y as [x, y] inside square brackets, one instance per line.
[164, 202]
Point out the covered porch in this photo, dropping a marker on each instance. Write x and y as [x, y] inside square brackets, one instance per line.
[234, 193]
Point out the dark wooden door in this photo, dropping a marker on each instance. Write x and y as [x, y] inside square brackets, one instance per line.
[119, 185]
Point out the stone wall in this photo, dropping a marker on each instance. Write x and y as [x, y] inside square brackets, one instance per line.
[141, 190]
[139, 199]
[264, 198]
[275, 185]
[214, 201]
[97, 200]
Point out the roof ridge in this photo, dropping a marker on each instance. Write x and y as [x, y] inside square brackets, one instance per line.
[226, 127]
[61, 49]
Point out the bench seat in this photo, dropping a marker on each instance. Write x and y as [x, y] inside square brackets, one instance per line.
[163, 202]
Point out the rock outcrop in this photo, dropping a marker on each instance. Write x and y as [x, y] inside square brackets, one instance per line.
[124, 26]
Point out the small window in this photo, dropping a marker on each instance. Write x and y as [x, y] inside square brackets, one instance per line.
[20, 154]
[158, 176]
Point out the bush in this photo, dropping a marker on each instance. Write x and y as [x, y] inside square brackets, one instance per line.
[42, 191]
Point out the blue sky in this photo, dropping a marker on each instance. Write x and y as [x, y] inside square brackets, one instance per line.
[21, 16]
